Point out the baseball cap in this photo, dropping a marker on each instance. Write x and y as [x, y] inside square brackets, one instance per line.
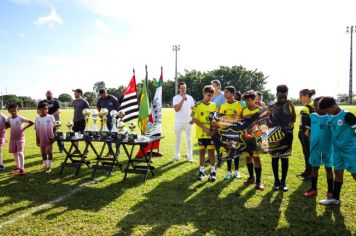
[78, 91]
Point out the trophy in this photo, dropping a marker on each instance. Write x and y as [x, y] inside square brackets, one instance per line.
[87, 133]
[104, 132]
[113, 131]
[121, 115]
[122, 131]
[94, 115]
[132, 135]
[70, 133]
[58, 134]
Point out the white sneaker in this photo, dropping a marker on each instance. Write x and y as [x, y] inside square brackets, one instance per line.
[237, 175]
[190, 160]
[175, 159]
[330, 201]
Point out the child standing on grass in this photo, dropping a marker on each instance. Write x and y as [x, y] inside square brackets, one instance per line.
[320, 149]
[231, 107]
[343, 132]
[201, 115]
[44, 135]
[252, 158]
[17, 137]
[3, 126]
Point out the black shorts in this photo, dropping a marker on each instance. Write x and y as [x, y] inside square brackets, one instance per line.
[79, 126]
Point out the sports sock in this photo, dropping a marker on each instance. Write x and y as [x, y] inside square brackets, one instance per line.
[337, 190]
[285, 165]
[250, 169]
[258, 171]
[275, 168]
[330, 185]
[314, 182]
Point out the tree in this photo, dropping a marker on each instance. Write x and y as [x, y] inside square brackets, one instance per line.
[98, 85]
[90, 97]
[27, 102]
[11, 99]
[64, 97]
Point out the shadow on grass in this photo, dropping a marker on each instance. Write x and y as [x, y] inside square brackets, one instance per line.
[183, 203]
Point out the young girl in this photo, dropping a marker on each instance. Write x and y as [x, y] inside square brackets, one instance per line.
[17, 137]
[252, 158]
[44, 135]
[305, 96]
[3, 126]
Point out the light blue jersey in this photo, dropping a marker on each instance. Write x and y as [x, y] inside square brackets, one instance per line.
[344, 143]
[320, 141]
[219, 99]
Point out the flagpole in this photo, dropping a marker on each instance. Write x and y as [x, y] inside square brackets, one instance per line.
[146, 81]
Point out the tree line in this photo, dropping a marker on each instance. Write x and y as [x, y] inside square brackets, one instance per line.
[238, 76]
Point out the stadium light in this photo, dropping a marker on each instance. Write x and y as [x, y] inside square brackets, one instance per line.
[350, 29]
[176, 48]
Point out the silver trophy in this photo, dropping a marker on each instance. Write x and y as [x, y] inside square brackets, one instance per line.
[70, 133]
[58, 134]
[94, 116]
[113, 130]
[104, 132]
[132, 135]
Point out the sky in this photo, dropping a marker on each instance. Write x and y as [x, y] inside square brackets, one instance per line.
[61, 45]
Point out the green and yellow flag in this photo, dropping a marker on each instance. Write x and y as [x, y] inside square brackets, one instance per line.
[144, 111]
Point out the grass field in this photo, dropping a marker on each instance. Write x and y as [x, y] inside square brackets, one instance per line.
[171, 203]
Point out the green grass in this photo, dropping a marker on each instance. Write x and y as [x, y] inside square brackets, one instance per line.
[171, 203]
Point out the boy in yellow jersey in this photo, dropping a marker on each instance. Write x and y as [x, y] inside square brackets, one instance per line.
[252, 158]
[201, 115]
[231, 107]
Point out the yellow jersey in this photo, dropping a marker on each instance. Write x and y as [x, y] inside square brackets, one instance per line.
[247, 113]
[234, 108]
[201, 112]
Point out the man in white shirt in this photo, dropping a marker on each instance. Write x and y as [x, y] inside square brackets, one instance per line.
[183, 104]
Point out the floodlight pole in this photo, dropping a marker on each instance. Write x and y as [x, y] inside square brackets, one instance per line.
[350, 30]
[176, 48]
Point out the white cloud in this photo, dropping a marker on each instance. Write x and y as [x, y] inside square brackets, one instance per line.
[22, 35]
[102, 26]
[49, 20]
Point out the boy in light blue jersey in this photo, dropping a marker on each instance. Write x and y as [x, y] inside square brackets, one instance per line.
[343, 129]
[320, 149]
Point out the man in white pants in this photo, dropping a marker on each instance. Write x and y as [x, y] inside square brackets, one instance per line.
[182, 104]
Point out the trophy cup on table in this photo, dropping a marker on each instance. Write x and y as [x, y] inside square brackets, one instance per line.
[122, 131]
[104, 132]
[132, 135]
[113, 131]
[58, 134]
[70, 133]
[86, 133]
[94, 115]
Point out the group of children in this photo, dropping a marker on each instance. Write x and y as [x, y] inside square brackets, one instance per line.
[44, 126]
[328, 130]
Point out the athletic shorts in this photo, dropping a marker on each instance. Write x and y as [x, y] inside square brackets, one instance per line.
[16, 146]
[316, 159]
[206, 143]
[347, 162]
[79, 126]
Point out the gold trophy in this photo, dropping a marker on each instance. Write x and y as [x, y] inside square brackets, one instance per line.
[87, 133]
[58, 134]
[132, 135]
[121, 114]
[70, 133]
[122, 131]
[113, 130]
[104, 132]
[94, 115]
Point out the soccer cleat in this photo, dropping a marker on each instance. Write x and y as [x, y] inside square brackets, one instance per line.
[175, 159]
[330, 201]
[311, 193]
[212, 177]
[228, 176]
[249, 181]
[15, 172]
[283, 187]
[276, 186]
[237, 175]
[259, 187]
[21, 172]
[2, 168]
[201, 175]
